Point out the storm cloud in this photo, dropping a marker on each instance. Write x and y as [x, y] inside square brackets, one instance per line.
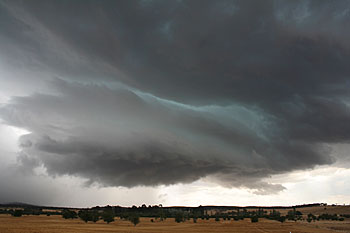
[164, 92]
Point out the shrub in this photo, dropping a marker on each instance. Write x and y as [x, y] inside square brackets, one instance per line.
[179, 217]
[134, 218]
[282, 219]
[85, 215]
[291, 215]
[254, 219]
[108, 216]
[67, 214]
[313, 217]
[94, 216]
[298, 213]
[17, 213]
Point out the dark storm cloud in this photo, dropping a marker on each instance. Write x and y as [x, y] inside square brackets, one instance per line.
[235, 90]
[116, 137]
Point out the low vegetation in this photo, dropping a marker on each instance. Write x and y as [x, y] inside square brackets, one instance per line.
[158, 213]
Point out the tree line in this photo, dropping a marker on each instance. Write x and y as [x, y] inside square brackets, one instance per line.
[179, 214]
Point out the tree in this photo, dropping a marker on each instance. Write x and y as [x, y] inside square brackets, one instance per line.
[254, 219]
[282, 219]
[67, 214]
[179, 217]
[85, 215]
[134, 218]
[108, 216]
[161, 213]
[17, 213]
[291, 215]
[124, 216]
[94, 216]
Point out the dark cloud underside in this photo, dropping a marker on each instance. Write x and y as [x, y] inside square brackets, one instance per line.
[162, 92]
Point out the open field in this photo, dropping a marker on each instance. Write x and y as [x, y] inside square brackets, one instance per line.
[56, 224]
[324, 209]
[316, 210]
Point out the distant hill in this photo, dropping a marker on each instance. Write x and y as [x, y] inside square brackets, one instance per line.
[186, 208]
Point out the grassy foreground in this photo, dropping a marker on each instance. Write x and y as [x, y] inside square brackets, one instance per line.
[56, 224]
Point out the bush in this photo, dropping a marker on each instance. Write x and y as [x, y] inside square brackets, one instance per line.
[328, 217]
[85, 215]
[67, 214]
[108, 216]
[179, 217]
[282, 219]
[217, 219]
[313, 217]
[291, 215]
[17, 213]
[134, 218]
[94, 216]
[254, 219]
[124, 216]
[298, 213]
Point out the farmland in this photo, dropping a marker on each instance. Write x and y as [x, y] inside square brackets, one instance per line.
[56, 224]
[317, 217]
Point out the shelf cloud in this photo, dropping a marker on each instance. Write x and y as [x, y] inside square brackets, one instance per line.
[147, 93]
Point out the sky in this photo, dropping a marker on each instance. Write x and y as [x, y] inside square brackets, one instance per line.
[174, 102]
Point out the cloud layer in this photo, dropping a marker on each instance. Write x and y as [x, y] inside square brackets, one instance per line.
[116, 137]
[165, 92]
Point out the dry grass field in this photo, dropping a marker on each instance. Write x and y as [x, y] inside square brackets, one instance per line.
[316, 210]
[325, 209]
[56, 224]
